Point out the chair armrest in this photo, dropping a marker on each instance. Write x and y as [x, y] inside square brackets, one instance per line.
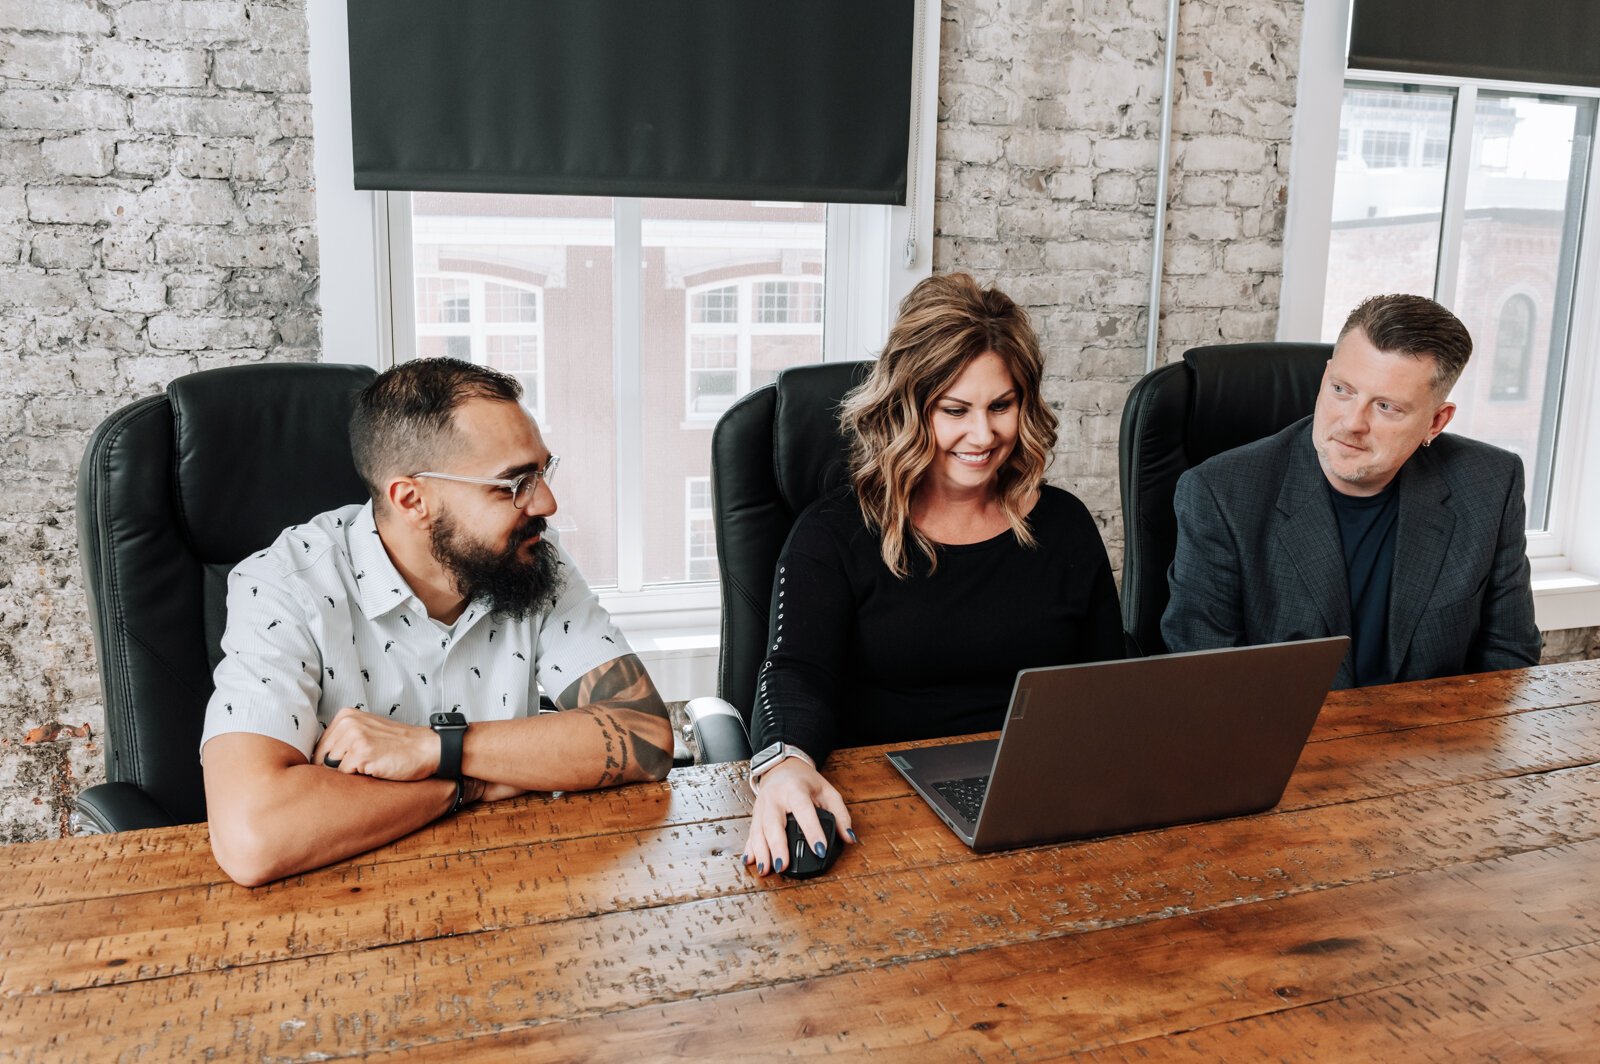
[120, 807]
[718, 731]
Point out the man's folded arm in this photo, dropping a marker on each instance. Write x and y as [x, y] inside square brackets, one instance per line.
[615, 729]
[274, 808]
[273, 814]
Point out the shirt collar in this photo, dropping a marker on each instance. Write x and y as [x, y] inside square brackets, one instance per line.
[382, 586]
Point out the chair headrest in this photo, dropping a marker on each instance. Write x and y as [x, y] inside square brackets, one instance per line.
[1240, 393]
[809, 455]
[259, 448]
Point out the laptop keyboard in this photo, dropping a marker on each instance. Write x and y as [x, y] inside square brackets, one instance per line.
[966, 795]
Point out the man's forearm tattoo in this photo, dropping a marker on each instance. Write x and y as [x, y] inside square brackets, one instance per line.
[615, 738]
[621, 682]
[611, 693]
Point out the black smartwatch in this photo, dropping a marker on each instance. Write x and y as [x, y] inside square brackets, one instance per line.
[451, 729]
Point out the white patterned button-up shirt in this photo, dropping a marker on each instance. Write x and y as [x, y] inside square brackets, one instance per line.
[321, 620]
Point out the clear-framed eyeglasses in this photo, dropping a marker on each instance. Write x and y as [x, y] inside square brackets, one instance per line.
[520, 490]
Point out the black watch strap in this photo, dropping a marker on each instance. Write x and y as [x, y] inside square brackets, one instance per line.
[461, 793]
[452, 731]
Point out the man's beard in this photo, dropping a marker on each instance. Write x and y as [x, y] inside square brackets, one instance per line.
[513, 586]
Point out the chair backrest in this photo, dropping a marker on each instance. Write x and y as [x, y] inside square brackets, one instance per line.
[173, 491]
[1176, 417]
[773, 453]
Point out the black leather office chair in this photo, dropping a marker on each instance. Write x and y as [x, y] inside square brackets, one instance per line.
[1176, 417]
[174, 490]
[773, 453]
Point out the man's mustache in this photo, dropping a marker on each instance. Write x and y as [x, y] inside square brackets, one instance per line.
[531, 530]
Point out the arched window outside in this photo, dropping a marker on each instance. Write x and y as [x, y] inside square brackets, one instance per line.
[487, 320]
[1513, 350]
[742, 331]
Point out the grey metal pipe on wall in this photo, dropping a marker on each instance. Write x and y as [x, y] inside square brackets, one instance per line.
[1163, 165]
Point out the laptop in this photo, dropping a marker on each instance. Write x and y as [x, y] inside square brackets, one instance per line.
[1116, 746]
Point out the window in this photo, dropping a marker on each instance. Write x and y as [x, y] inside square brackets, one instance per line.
[1492, 239]
[1505, 233]
[1384, 148]
[1513, 348]
[607, 362]
[740, 335]
[632, 324]
[699, 535]
[491, 321]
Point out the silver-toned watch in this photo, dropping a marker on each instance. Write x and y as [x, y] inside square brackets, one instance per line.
[769, 757]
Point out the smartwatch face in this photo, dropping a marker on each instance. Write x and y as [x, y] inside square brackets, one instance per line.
[765, 756]
[447, 720]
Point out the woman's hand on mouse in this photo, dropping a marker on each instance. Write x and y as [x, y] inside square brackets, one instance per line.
[790, 787]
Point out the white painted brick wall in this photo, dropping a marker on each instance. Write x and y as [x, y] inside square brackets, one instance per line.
[1049, 118]
[155, 219]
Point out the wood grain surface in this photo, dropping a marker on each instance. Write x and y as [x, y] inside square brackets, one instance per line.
[1426, 890]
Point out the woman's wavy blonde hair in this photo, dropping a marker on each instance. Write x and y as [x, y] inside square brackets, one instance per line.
[945, 322]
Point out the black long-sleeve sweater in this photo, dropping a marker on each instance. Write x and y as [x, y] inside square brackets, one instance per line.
[857, 656]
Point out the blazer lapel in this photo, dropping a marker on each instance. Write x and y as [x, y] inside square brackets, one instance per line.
[1310, 538]
[1421, 543]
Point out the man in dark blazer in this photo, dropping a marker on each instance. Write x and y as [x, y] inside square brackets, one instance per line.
[1363, 520]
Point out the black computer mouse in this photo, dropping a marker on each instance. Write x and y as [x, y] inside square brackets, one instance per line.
[801, 861]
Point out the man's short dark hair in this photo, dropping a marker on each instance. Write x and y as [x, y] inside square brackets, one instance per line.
[404, 421]
[1418, 327]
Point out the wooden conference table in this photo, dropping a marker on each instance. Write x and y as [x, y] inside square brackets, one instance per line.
[1428, 889]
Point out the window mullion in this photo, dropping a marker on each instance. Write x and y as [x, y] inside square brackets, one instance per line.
[1455, 196]
[400, 291]
[628, 372]
[746, 350]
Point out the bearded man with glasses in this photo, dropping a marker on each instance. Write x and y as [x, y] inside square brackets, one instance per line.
[382, 662]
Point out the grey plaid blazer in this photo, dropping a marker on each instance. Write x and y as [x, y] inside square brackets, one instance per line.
[1259, 559]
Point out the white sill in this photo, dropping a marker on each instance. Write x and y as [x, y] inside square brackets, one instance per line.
[676, 631]
[1565, 599]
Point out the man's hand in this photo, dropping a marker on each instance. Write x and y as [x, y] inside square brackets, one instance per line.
[365, 744]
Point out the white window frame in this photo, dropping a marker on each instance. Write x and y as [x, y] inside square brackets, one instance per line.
[1565, 557]
[876, 254]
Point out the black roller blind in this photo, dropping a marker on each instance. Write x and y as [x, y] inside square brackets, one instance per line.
[1553, 42]
[700, 99]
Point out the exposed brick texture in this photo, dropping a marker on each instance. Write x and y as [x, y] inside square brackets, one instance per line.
[156, 217]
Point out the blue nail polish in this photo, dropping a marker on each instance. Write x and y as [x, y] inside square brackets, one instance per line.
[852, 835]
[762, 867]
[820, 850]
[777, 865]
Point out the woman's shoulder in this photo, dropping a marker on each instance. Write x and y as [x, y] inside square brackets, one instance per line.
[1060, 505]
[834, 517]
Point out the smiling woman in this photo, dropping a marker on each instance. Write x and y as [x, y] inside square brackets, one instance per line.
[904, 606]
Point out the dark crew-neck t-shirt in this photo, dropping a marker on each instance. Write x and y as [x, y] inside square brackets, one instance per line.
[857, 656]
[1367, 533]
